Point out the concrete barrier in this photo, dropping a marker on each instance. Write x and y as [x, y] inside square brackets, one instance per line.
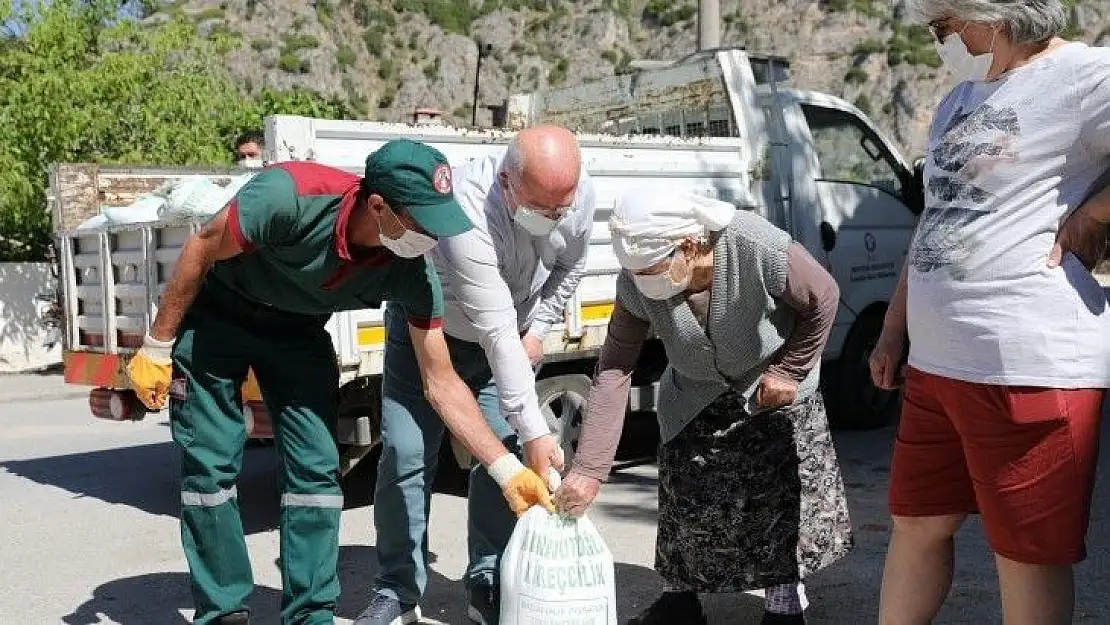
[26, 343]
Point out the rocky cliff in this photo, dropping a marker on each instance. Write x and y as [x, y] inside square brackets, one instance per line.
[387, 57]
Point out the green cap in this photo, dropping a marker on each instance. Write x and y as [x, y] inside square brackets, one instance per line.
[416, 178]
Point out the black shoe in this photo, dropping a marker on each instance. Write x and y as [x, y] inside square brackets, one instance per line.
[385, 610]
[771, 618]
[672, 608]
[485, 605]
[242, 617]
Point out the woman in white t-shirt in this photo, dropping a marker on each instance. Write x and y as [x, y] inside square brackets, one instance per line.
[1009, 333]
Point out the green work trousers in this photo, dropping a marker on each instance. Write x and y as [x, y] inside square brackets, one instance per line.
[294, 361]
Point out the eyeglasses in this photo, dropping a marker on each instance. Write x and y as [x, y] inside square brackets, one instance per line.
[556, 213]
[942, 28]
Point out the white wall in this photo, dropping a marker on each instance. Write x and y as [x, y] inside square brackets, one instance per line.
[25, 343]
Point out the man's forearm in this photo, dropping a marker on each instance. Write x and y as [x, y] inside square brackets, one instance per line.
[453, 401]
[182, 288]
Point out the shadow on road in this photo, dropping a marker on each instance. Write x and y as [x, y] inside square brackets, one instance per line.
[161, 597]
[152, 598]
[146, 477]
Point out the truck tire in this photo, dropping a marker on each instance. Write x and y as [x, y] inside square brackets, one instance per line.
[562, 401]
[361, 397]
[857, 404]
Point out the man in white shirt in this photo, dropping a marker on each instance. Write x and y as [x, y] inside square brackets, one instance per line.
[504, 284]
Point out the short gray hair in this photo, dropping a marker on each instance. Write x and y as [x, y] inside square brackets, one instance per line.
[1027, 21]
[513, 161]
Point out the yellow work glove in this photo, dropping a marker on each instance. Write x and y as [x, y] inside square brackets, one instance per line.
[150, 370]
[522, 487]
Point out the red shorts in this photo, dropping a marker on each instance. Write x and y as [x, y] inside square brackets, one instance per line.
[1022, 457]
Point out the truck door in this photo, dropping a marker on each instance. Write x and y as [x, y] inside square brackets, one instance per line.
[864, 194]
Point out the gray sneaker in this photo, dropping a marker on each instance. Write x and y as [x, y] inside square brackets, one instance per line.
[485, 607]
[385, 610]
[242, 617]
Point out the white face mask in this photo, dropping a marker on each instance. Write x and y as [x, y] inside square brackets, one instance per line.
[534, 223]
[249, 162]
[661, 285]
[965, 65]
[409, 245]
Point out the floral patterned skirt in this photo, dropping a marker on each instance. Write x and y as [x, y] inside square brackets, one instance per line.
[750, 502]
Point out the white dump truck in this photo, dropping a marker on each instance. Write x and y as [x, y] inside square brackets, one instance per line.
[720, 123]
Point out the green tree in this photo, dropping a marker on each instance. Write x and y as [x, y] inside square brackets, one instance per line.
[77, 85]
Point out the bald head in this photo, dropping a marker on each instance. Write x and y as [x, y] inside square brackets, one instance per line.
[543, 164]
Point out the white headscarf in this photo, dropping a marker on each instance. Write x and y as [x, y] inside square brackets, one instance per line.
[647, 226]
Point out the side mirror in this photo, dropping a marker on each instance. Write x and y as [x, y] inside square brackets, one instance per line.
[915, 190]
[828, 236]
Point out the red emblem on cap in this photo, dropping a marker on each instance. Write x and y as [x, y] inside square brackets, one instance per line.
[441, 179]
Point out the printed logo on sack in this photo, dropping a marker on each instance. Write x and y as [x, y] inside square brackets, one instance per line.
[441, 179]
[177, 389]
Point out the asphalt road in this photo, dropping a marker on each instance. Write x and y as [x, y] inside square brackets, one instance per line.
[90, 534]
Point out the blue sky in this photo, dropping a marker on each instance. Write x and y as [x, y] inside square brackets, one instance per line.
[129, 10]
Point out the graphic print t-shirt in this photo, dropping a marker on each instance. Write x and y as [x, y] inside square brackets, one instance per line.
[1007, 161]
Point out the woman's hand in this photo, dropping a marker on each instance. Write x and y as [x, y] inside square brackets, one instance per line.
[885, 358]
[775, 391]
[575, 494]
[1082, 235]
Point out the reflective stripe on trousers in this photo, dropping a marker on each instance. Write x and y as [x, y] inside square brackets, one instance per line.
[208, 500]
[311, 501]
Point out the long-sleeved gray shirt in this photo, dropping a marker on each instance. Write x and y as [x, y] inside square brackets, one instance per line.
[809, 291]
[499, 282]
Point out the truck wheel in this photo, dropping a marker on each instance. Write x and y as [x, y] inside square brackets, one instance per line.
[563, 401]
[361, 397]
[857, 403]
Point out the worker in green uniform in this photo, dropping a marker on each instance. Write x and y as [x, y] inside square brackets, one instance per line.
[253, 289]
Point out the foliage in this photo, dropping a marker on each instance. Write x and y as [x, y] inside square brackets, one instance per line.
[345, 56]
[622, 8]
[450, 15]
[299, 42]
[368, 13]
[870, 8]
[79, 88]
[624, 66]
[374, 38]
[868, 46]
[325, 11]
[558, 74]
[912, 45]
[291, 63]
[863, 103]
[387, 97]
[431, 72]
[666, 13]
[214, 13]
[386, 68]
[856, 75]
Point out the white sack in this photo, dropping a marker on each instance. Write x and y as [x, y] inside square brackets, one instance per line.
[557, 571]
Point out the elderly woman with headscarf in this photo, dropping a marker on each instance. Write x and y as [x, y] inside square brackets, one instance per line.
[750, 493]
[1009, 333]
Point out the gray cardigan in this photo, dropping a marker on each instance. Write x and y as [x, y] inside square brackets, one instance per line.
[746, 324]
